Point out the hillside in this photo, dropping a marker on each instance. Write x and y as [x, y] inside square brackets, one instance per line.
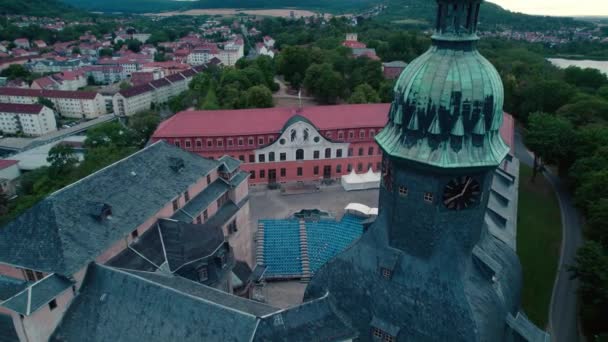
[36, 7]
[491, 15]
[421, 12]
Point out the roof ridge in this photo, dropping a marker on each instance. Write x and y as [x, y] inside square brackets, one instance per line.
[204, 300]
[104, 168]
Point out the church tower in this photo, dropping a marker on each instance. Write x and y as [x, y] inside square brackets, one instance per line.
[428, 269]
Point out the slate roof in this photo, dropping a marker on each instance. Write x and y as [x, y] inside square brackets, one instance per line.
[209, 293]
[7, 329]
[66, 230]
[186, 242]
[10, 286]
[315, 320]
[37, 294]
[115, 305]
[201, 201]
[230, 164]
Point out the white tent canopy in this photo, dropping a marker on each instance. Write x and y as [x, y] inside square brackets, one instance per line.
[353, 181]
[361, 209]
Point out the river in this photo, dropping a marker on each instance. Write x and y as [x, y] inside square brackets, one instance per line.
[564, 63]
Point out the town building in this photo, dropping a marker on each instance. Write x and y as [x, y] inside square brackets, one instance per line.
[44, 66]
[282, 144]
[67, 80]
[174, 220]
[141, 97]
[358, 48]
[229, 54]
[29, 119]
[23, 43]
[9, 172]
[105, 74]
[71, 104]
[392, 70]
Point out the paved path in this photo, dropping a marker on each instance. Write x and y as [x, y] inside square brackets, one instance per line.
[563, 319]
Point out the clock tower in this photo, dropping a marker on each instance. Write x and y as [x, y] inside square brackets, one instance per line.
[428, 269]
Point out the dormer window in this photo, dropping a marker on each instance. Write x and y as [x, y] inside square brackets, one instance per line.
[134, 234]
[428, 197]
[203, 273]
[402, 191]
[175, 204]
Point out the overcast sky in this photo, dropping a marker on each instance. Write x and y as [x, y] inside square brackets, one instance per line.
[556, 7]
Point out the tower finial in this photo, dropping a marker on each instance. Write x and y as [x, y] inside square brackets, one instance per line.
[457, 20]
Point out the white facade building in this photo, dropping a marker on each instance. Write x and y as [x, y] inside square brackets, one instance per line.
[71, 104]
[30, 119]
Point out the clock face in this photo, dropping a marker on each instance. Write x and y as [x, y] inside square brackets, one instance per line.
[461, 193]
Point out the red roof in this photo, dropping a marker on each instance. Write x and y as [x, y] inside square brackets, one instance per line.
[4, 163]
[270, 120]
[353, 44]
[20, 108]
[83, 95]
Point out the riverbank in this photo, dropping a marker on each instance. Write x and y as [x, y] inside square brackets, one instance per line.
[584, 63]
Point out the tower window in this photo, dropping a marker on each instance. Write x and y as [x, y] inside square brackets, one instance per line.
[316, 170]
[381, 335]
[402, 191]
[283, 156]
[315, 154]
[428, 197]
[328, 153]
[299, 170]
[271, 156]
[252, 158]
[283, 172]
[339, 153]
[360, 151]
[299, 154]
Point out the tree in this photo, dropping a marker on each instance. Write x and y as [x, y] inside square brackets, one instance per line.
[124, 85]
[106, 53]
[46, 102]
[3, 203]
[134, 45]
[587, 110]
[259, 97]
[591, 270]
[291, 61]
[364, 93]
[597, 229]
[160, 57]
[110, 134]
[603, 92]
[62, 158]
[585, 78]
[144, 124]
[324, 83]
[552, 138]
[210, 101]
[15, 71]
[545, 96]
[592, 190]
[76, 50]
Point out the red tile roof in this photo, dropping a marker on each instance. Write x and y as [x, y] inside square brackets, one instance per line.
[137, 90]
[353, 44]
[270, 120]
[20, 108]
[81, 95]
[4, 163]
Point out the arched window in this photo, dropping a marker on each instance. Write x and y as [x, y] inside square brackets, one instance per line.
[299, 154]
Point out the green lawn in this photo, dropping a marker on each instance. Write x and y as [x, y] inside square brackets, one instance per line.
[538, 243]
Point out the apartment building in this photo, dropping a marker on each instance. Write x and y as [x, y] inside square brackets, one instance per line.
[71, 104]
[29, 119]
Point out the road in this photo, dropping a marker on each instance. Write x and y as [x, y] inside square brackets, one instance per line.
[563, 319]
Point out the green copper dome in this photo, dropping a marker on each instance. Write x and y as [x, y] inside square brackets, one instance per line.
[448, 104]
